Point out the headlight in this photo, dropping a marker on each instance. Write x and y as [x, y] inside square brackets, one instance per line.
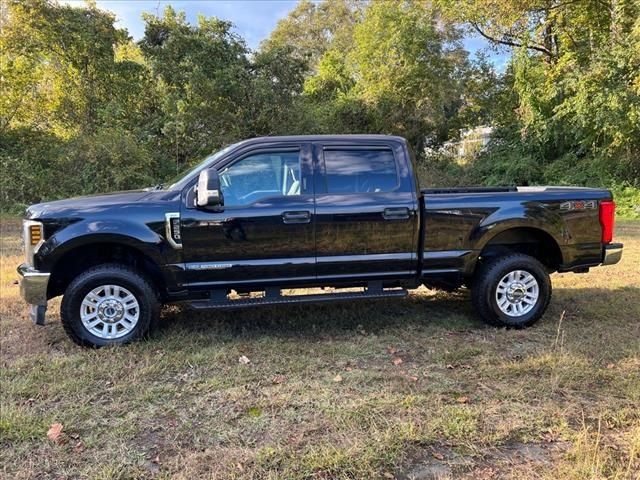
[33, 234]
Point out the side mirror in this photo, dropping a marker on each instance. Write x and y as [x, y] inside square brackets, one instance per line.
[208, 193]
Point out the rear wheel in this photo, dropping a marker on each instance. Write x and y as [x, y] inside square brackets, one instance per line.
[107, 305]
[511, 291]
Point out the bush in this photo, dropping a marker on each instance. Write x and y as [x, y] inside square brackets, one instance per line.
[627, 199]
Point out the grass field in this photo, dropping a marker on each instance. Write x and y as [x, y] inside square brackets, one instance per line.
[408, 389]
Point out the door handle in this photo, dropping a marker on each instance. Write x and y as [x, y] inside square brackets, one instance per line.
[303, 216]
[396, 213]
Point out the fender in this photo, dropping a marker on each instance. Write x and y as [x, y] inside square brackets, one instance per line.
[530, 215]
[131, 234]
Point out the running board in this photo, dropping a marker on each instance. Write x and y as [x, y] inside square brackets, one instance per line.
[279, 299]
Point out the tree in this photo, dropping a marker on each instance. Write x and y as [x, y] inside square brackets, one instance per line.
[402, 74]
[313, 28]
[201, 75]
[64, 91]
[575, 75]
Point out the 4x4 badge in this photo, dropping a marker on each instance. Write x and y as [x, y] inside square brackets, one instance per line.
[579, 205]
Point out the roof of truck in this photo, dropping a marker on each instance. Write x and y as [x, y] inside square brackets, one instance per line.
[310, 138]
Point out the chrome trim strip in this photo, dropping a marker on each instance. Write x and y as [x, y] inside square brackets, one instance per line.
[367, 257]
[200, 266]
[263, 281]
[167, 229]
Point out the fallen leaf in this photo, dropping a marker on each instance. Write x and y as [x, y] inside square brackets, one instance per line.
[391, 350]
[337, 378]
[450, 367]
[413, 379]
[278, 378]
[462, 399]
[79, 447]
[438, 455]
[388, 475]
[244, 360]
[348, 369]
[397, 361]
[55, 433]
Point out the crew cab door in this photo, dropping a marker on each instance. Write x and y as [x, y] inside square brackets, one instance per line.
[366, 212]
[264, 232]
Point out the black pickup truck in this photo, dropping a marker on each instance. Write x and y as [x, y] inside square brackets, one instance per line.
[275, 213]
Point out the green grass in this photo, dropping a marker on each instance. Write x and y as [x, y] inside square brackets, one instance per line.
[558, 400]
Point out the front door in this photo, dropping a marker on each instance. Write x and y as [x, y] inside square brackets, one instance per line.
[265, 231]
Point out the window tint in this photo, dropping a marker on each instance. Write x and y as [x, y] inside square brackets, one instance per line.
[259, 176]
[360, 171]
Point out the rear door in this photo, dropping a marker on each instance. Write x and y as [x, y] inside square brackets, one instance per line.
[366, 212]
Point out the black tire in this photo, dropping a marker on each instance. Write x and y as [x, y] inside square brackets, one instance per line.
[108, 274]
[485, 284]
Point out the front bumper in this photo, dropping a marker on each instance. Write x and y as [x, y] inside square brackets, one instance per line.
[612, 253]
[33, 288]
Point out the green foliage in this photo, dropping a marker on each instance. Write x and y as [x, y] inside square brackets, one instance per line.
[311, 29]
[78, 95]
[27, 176]
[627, 197]
[401, 74]
[570, 111]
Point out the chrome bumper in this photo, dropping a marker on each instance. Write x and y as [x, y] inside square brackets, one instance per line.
[612, 253]
[33, 288]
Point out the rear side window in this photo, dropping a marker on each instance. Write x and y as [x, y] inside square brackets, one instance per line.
[360, 170]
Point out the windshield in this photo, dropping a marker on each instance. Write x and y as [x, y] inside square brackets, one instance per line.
[180, 180]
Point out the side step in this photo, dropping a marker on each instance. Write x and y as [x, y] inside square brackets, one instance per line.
[274, 297]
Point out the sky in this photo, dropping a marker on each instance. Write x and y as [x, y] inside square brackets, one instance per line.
[253, 19]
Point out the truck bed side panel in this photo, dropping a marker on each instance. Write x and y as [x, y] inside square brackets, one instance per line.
[457, 226]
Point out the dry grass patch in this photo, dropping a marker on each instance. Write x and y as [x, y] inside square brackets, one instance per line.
[324, 394]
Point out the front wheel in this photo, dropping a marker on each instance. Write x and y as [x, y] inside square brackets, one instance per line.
[511, 291]
[107, 305]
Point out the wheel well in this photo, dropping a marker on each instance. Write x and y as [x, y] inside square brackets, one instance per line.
[77, 260]
[530, 241]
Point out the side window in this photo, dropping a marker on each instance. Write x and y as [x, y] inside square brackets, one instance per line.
[261, 175]
[360, 170]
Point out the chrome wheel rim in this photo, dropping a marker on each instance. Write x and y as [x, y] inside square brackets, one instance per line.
[517, 293]
[109, 311]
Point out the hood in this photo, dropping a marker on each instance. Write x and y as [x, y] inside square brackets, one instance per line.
[72, 207]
